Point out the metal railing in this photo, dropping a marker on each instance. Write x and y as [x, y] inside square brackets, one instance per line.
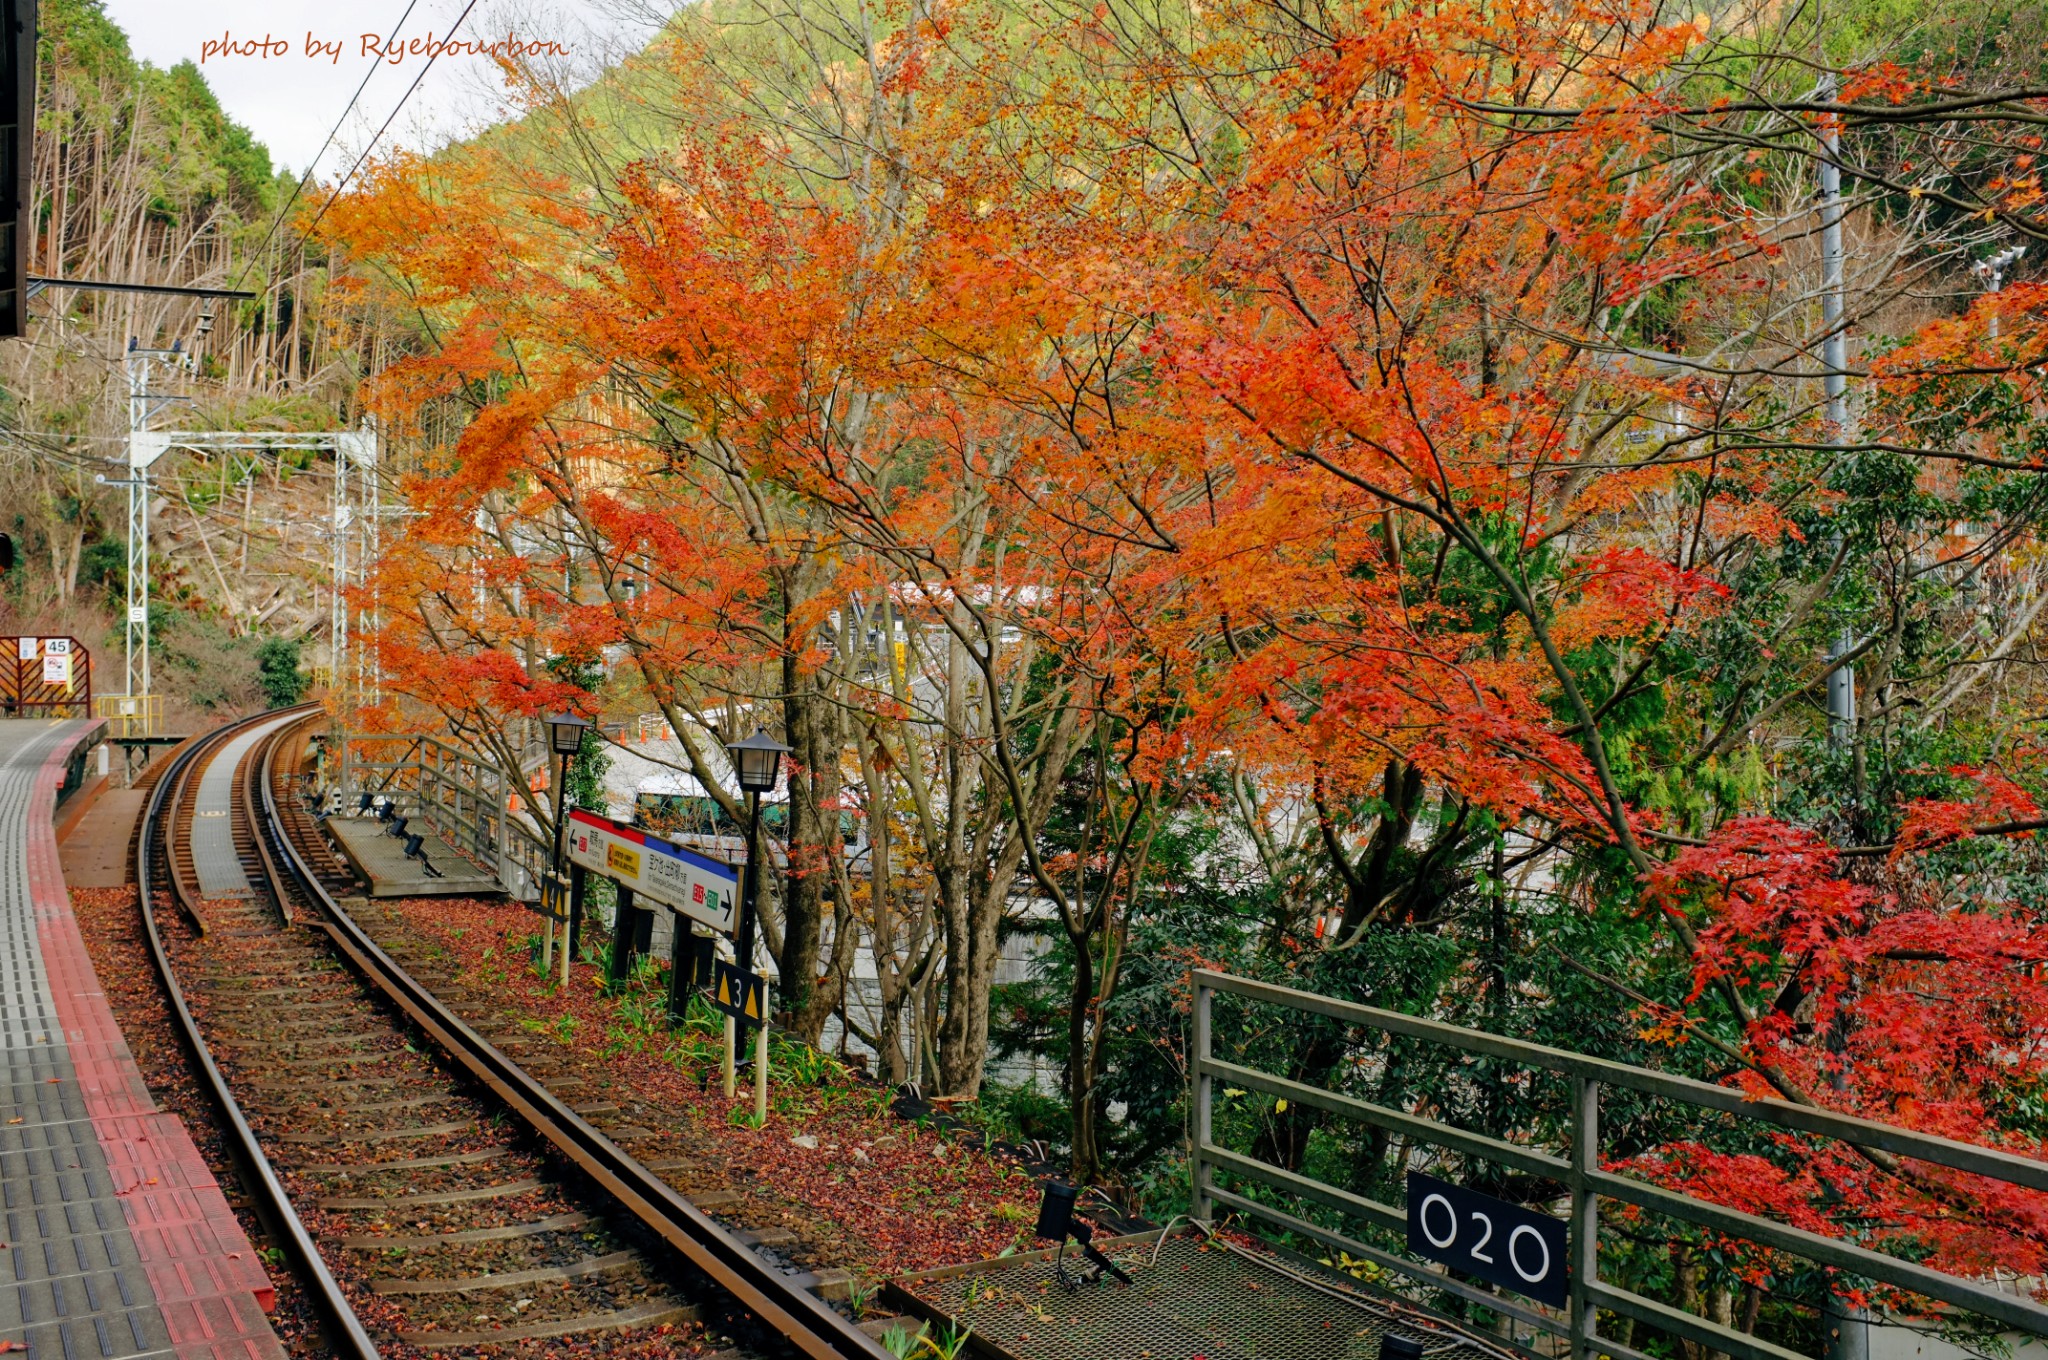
[463, 798]
[132, 715]
[1578, 1170]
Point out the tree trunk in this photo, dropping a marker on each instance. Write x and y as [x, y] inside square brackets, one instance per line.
[1081, 1102]
[1685, 1270]
[809, 718]
[970, 977]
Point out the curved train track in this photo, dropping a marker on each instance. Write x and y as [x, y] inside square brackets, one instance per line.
[428, 1189]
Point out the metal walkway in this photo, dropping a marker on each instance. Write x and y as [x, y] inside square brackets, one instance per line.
[119, 1241]
[381, 860]
[1197, 1298]
[213, 825]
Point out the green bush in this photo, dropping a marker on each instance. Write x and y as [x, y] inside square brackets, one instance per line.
[277, 671]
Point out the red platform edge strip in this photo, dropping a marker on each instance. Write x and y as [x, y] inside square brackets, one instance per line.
[209, 1282]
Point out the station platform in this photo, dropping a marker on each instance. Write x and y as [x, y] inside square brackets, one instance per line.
[98, 850]
[118, 1240]
[381, 861]
[215, 859]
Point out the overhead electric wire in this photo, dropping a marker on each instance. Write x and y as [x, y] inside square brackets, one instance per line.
[332, 133]
[432, 57]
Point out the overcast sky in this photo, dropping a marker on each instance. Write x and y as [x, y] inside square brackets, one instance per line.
[290, 101]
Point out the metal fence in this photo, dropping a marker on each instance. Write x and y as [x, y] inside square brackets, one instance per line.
[1578, 1170]
[463, 798]
[132, 715]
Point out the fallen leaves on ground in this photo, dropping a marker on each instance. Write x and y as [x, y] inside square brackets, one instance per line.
[876, 1194]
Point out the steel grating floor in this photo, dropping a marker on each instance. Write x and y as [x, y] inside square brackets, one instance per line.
[1198, 1301]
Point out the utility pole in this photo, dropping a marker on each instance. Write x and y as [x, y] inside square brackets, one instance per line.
[1992, 271]
[1835, 381]
[138, 526]
[143, 451]
[342, 520]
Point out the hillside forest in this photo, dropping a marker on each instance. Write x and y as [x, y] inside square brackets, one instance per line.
[139, 177]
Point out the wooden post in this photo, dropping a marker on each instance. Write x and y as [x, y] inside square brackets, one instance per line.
[578, 877]
[682, 971]
[731, 1041]
[550, 904]
[761, 1072]
[623, 935]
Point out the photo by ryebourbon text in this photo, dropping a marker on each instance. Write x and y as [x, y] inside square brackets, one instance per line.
[317, 48]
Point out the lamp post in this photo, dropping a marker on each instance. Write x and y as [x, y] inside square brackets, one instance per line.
[756, 760]
[565, 739]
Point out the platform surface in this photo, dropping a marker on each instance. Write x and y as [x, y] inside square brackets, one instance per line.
[95, 853]
[119, 1241]
[214, 857]
[381, 860]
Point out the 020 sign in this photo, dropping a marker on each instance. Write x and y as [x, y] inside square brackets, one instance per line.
[1499, 1242]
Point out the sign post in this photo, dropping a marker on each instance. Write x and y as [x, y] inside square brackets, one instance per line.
[742, 995]
[554, 906]
[691, 885]
[732, 1038]
[690, 961]
[572, 930]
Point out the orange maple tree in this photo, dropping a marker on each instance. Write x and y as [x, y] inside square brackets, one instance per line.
[1415, 418]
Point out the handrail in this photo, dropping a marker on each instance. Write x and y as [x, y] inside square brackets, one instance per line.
[1867, 1133]
[1579, 1171]
[461, 795]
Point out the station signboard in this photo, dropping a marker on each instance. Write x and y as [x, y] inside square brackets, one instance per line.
[697, 886]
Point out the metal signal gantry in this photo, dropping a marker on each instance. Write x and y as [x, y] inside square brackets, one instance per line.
[352, 529]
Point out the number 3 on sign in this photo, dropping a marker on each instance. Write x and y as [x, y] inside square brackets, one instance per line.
[1463, 1229]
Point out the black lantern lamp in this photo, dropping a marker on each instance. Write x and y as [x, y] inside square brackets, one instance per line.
[565, 733]
[757, 760]
[565, 739]
[1056, 1223]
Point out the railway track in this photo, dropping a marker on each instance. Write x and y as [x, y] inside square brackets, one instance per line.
[433, 1194]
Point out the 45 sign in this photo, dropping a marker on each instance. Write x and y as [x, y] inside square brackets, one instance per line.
[1501, 1243]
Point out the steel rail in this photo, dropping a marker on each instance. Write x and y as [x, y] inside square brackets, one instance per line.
[180, 777]
[801, 1317]
[346, 1335]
